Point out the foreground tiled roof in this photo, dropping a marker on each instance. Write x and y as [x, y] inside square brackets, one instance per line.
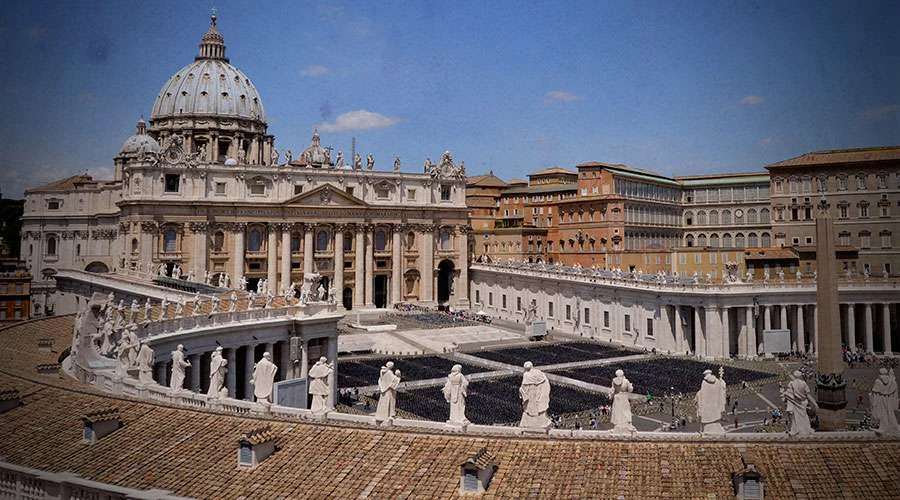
[67, 184]
[193, 453]
[838, 156]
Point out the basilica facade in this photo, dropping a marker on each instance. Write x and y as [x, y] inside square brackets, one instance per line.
[203, 188]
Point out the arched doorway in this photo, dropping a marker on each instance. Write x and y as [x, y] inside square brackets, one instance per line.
[445, 281]
[347, 298]
[97, 267]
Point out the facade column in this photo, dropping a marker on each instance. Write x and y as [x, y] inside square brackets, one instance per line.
[699, 332]
[285, 256]
[308, 250]
[851, 327]
[370, 266]
[426, 281]
[767, 317]
[272, 258]
[200, 249]
[248, 371]
[238, 255]
[801, 327]
[886, 328]
[338, 280]
[679, 330]
[462, 287]
[161, 374]
[304, 360]
[332, 379]
[396, 267]
[284, 362]
[231, 375]
[712, 332]
[359, 267]
[783, 322]
[195, 373]
[750, 349]
[867, 328]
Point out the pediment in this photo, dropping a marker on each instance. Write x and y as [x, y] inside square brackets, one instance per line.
[326, 195]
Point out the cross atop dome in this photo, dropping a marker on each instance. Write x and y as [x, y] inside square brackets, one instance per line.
[212, 45]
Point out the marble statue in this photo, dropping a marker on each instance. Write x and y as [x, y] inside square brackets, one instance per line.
[191, 276]
[264, 378]
[269, 299]
[798, 398]
[145, 364]
[884, 402]
[163, 307]
[135, 308]
[426, 168]
[332, 295]
[396, 164]
[370, 161]
[176, 379]
[241, 157]
[535, 394]
[242, 283]
[217, 370]
[339, 162]
[799, 276]
[388, 381]
[161, 270]
[780, 275]
[198, 306]
[176, 271]
[711, 403]
[274, 157]
[320, 292]
[123, 356]
[288, 156]
[148, 309]
[215, 304]
[455, 392]
[530, 313]
[208, 278]
[232, 302]
[749, 277]
[179, 309]
[766, 275]
[107, 340]
[357, 162]
[120, 309]
[318, 385]
[621, 406]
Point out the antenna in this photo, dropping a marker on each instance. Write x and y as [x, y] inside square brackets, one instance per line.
[353, 149]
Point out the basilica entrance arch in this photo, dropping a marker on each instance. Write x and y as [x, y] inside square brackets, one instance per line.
[446, 268]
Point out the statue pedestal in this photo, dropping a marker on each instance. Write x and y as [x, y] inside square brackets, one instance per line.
[832, 420]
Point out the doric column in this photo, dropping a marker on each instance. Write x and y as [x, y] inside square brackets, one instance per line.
[308, 249]
[238, 256]
[679, 330]
[396, 266]
[767, 317]
[699, 332]
[231, 376]
[370, 266]
[750, 325]
[426, 281]
[285, 256]
[359, 267]
[284, 362]
[886, 328]
[801, 327]
[332, 379]
[783, 322]
[867, 327]
[339, 264]
[304, 360]
[248, 372]
[851, 327]
[814, 338]
[272, 258]
[195, 373]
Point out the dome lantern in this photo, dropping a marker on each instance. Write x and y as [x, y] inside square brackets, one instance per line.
[212, 45]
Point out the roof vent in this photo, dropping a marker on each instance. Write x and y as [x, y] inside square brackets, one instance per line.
[748, 482]
[255, 446]
[45, 344]
[48, 369]
[476, 472]
[99, 424]
[10, 399]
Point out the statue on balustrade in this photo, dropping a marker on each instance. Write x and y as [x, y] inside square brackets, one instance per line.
[319, 388]
[161, 270]
[148, 309]
[198, 305]
[176, 271]
[214, 308]
[455, 392]
[535, 394]
[530, 313]
[388, 382]
[884, 402]
[176, 380]
[208, 278]
[191, 276]
[264, 378]
[217, 370]
[163, 307]
[107, 338]
[179, 309]
[129, 346]
[711, 403]
[332, 295]
[135, 308]
[321, 292]
[621, 406]
[799, 400]
[232, 305]
[145, 363]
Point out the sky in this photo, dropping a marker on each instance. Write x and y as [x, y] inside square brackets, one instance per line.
[679, 88]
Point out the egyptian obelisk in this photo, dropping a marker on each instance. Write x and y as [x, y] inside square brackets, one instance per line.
[830, 384]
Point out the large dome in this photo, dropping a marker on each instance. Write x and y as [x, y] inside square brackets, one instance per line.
[209, 86]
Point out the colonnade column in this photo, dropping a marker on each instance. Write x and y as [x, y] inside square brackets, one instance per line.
[851, 327]
[284, 364]
[679, 330]
[886, 327]
[426, 281]
[462, 288]
[238, 255]
[370, 265]
[767, 318]
[359, 267]
[699, 331]
[248, 371]
[304, 360]
[750, 347]
[338, 253]
[814, 339]
[867, 328]
[801, 326]
[783, 322]
[195, 373]
[307, 250]
[396, 266]
[285, 256]
[231, 376]
[272, 258]
[332, 379]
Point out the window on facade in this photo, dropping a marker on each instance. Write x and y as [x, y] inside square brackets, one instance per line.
[861, 182]
[170, 240]
[295, 243]
[134, 245]
[503, 301]
[477, 296]
[605, 319]
[842, 210]
[713, 217]
[587, 315]
[701, 240]
[257, 189]
[627, 322]
[348, 241]
[765, 240]
[764, 216]
[549, 309]
[739, 240]
[218, 241]
[51, 245]
[885, 239]
[865, 239]
[380, 242]
[842, 183]
[172, 182]
[844, 238]
[445, 193]
[752, 240]
[349, 190]
[726, 217]
[649, 327]
[411, 194]
[322, 238]
[490, 298]
[446, 242]
[53, 205]
[779, 186]
[863, 210]
[882, 181]
[518, 303]
[298, 189]
[568, 311]
[382, 192]
[254, 241]
[713, 242]
[220, 188]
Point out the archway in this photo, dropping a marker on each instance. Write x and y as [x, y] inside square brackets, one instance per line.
[379, 291]
[445, 281]
[347, 298]
[97, 267]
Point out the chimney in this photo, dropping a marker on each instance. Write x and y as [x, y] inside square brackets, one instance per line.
[255, 446]
[45, 344]
[98, 424]
[476, 472]
[48, 369]
[10, 399]
[748, 482]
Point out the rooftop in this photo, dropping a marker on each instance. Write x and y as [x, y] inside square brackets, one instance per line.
[839, 156]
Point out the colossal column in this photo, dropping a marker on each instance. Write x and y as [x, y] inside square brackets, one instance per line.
[427, 279]
[359, 267]
[801, 326]
[783, 322]
[272, 258]
[285, 256]
[867, 328]
[462, 288]
[851, 326]
[195, 373]
[886, 327]
[370, 266]
[396, 266]
[307, 249]
[339, 263]
[238, 256]
[200, 251]
[830, 384]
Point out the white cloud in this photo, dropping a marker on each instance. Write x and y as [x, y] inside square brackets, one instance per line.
[765, 141]
[315, 71]
[560, 96]
[880, 112]
[358, 120]
[752, 100]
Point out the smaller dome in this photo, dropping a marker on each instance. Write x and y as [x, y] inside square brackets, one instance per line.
[230, 162]
[315, 155]
[140, 142]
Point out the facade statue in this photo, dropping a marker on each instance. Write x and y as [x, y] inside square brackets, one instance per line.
[163, 308]
[269, 299]
[426, 168]
[135, 309]
[321, 293]
[370, 161]
[621, 406]
[242, 283]
[319, 388]
[176, 379]
[107, 338]
[145, 363]
[241, 156]
[388, 381]
[711, 403]
[884, 402]
[264, 378]
[232, 302]
[780, 275]
[198, 306]
[530, 313]
[397, 164]
[214, 308]
[274, 158]
[148, 309]
[339, 162]
[123, 357]
[798, 398]
[217, 370]
[208, 278]
[332, 295]
[176, 271]
[455, 391]
[161, 270]
[357, 162]
[535, 394]
[799, 276]
[179, 309]
[288, 156]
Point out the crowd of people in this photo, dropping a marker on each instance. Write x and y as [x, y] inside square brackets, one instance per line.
[364, 372]
[416, 316]
[549, 354]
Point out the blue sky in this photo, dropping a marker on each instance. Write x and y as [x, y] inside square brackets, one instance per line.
[680, 88]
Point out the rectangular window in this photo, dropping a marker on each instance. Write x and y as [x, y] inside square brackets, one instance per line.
[587, 315]
[698, 258]
[885, 240]
[503, 301]
[53, 205]
[490, 298]
[518, 303]
[568, 311]
[349, 190]
[173, 182]
[445, 193]
[257, 189]
[649, 327]
[842, 211]
[865, 241]
[864, 210]
[605, 319]
[712, 258]
[477, 296]
[220, 188]
[627, 322]
[298, 188]
[842, 183]
[550, 309]
[411, 194]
